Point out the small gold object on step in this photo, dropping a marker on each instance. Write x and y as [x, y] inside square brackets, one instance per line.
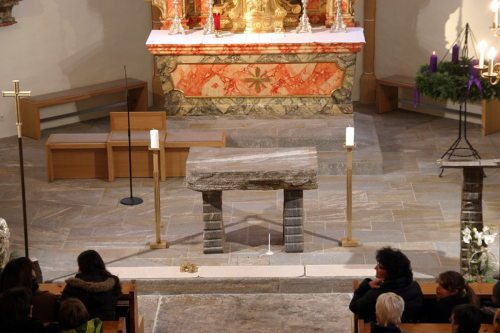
[189, 268]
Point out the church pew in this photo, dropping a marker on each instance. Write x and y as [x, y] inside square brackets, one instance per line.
[117, 144]
[114, 326]
[483, 291]
[76, 155]
[32, 106]
[126, 306]
[178, 143]
[423, 328]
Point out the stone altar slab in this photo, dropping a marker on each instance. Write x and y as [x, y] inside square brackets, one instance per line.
[213, 170]
[259, 75]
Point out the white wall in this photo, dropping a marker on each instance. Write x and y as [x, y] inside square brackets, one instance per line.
[60, 44]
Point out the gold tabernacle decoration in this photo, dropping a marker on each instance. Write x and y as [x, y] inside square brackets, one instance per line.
[251, 15]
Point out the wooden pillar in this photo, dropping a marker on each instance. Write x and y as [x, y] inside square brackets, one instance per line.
[368, 81]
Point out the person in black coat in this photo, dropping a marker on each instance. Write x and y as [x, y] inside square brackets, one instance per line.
[451, 290]
[15, 312]
[392, 274]
[95, 286]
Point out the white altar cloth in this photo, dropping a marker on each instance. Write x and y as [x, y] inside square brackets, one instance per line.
[196, 37]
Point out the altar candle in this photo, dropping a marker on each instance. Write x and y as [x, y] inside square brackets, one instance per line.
[155, 139]
[217, 21]
[492, 53]
[495, 8]
[349, 136]
[454, 53]
[482, 50]
[433, 63]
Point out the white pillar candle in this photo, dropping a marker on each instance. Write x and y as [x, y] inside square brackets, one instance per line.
[492, 53]
[482, 50]
[495, 8]
[349, 136]
[155, 139]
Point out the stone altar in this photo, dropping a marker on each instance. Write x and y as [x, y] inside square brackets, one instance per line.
[261, 75]
[213, 170]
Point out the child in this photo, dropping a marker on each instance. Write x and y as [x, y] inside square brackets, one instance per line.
[452, 290]
[489, 308]
[74, 318]
[466, 318]
[388, 309]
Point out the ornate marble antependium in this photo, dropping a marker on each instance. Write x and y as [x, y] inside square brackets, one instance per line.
[6, 17]
[261, 75]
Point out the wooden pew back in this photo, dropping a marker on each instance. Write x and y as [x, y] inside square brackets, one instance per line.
[139, 121]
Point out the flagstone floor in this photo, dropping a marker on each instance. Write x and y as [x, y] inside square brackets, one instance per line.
[398, 201]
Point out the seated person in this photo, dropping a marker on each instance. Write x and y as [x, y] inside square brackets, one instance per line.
[392, 274]
[466, 318]
[389, 308]
[74, 318]
[489, 308]
[15, 312]
[20, 272]
[451, 290]
[95, 286]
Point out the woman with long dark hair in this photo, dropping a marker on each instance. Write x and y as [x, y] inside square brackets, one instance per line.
[20, 272]
[95, 286]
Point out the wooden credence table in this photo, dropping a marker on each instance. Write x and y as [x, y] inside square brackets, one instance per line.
[213, 170]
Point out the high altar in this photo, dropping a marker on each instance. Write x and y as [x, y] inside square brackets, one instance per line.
[257, 65]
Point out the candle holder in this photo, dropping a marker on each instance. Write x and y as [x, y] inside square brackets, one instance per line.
[338, 24]
[209, 28]
[304, 25]
[176, 27]
[349, 241]
[158, 243]
[269, 252]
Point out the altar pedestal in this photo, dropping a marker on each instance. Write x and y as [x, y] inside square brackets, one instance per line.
[261, 75]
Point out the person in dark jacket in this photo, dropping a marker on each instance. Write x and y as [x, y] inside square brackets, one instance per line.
[389, 309]
[392, 274]
[466, 318]
[15, 312]
[95, 286]
[490, 307]
[20, 272]
[451, 290]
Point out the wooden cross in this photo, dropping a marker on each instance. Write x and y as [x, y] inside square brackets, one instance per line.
[17, 94]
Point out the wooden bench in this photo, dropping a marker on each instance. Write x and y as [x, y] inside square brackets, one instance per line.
[79, 155]
[117, 145]
[31, 106]
[388, 96]
[388, 91]
[423, 328]
[114, 326]
[126, 306]
[482, 290]
[178, 143]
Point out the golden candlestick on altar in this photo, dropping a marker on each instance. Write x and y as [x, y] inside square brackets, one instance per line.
[349, 241]
[155, 148]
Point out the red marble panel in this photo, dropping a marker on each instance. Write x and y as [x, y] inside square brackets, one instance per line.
[257, 80]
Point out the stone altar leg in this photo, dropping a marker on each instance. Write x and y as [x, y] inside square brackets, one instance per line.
[293, 220]
[472, 208]
[213, 232]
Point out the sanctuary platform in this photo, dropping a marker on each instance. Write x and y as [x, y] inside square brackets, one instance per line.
[257, 74]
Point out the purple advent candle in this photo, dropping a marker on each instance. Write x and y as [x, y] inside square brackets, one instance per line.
[455, 53]
[433, 64]
[474, 73]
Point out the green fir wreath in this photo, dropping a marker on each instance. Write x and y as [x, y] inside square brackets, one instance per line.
[450, 81]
